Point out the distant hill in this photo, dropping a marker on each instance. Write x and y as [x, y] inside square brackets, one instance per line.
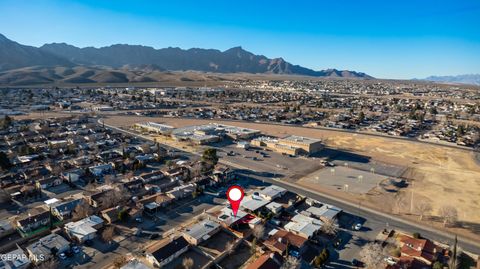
[14, 55]
[472, 79]
[124, 58]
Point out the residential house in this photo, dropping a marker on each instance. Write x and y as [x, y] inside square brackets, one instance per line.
[325, 212]
[222, 173]
[274, 207]
[101, 169]
[34, 219]
[84, 229]
[112, 214]
[227, 219]
[166, 251]
[153, 176]
[72, 176]
[281, 240]
[133, 185]
[161, 199]
[96, 199]
[16, 259]
[272, 192]
[254, 203]
[177, 173]
[182, 191]
[304, 226]
[267, 261]
[423, 250]
[135, 264]
[201, 231]
[47, 247]
[63, 210]
[48, 182]
[6, 228]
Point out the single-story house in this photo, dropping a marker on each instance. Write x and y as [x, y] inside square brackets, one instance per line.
[166, 251]
[84, 229]
[47, 247]
[272, 192]
[16, 259]
[201, 231]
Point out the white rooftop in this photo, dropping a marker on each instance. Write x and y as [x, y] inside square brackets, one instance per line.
[272, 192]
[51, 201]
[227, 217]
[253, 203]
[202, 229]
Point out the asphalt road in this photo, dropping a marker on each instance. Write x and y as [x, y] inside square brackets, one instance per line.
[373, 217]
[376, 220]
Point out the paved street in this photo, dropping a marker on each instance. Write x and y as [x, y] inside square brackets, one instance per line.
[375, 219]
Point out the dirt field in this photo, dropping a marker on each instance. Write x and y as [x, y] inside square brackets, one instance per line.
[442, 176]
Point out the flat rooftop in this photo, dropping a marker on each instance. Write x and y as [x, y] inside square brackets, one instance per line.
[202, 229]
[300, 139]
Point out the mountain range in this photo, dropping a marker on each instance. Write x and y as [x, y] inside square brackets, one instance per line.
[64, 63]
[472, 79]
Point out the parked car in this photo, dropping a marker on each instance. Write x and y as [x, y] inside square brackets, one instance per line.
[390, 261]
[75, 249]
[357, 227]
[62, 256]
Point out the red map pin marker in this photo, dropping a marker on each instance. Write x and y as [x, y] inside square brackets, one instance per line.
[235, 195]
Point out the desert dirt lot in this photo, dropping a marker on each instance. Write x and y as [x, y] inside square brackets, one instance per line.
[442, 176]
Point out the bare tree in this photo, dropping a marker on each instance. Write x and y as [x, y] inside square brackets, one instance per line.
[259, 231]
[449, 214]
[82, 210]
[115, 197]
[290, 263]
[145, 148]
[423, 208]
[196, 170]
[329, 227]
[187, 263]
[372, 255]
[119, 261]
[107, 234]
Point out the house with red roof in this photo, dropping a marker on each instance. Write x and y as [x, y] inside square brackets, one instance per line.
[419, 249]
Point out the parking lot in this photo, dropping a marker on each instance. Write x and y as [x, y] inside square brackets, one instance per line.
[345, 178]
[267, 161]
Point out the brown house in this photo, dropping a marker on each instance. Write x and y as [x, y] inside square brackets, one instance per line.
[279, 241]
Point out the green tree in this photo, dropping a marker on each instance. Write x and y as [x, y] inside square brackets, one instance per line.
[361, 116]
[322, 258]
[122, 215]
[437, 265]
[4, 161]
[210, 156]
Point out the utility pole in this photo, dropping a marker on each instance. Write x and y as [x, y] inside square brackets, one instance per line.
[411, 201]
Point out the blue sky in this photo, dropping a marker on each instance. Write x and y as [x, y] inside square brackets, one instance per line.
[386, 39]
